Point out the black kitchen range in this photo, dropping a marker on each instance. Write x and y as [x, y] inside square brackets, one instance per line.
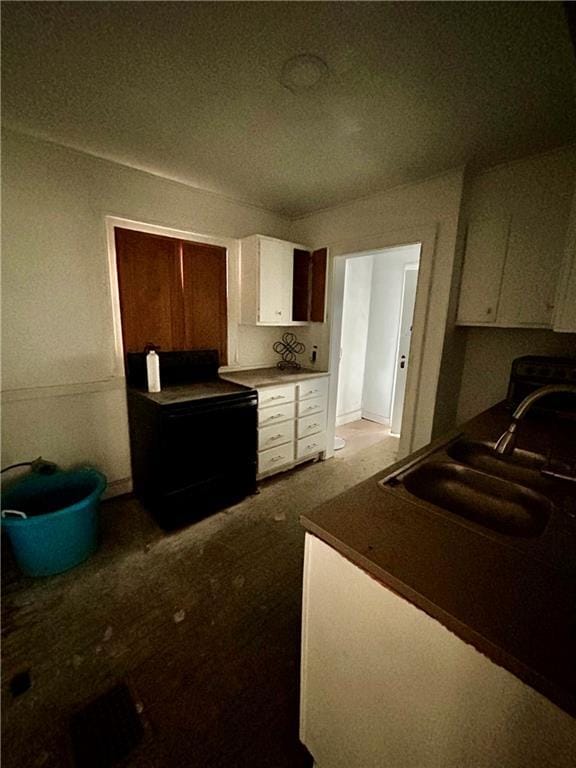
[194, 443]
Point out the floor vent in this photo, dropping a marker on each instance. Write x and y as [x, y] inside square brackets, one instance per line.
[106, 730]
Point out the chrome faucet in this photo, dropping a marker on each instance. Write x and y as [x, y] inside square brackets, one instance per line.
[506, 442]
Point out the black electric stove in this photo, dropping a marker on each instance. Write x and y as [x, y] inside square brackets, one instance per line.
[194, 444]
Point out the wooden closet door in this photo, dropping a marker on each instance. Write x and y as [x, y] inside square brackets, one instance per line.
[150, 289]
[204, 284]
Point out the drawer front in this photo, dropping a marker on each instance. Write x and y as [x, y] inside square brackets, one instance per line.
[268, 437]
[268, 396]
[308, 446]
[313, 405]
[313, 388]
[310, 425]
[275, 458]
[275, 414]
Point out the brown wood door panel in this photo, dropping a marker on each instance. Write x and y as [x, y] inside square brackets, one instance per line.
[204, 286]
[150, 290]
[302, 285]
[318, 300]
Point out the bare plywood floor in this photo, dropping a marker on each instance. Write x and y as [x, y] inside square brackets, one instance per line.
[203, 625]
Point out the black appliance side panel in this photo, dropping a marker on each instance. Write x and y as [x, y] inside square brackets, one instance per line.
[144, 419]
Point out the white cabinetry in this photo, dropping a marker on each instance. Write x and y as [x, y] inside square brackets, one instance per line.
[517, 218]
[291, 424]
[267, 272]
[510, 273]
[384, 684]
[486, 245]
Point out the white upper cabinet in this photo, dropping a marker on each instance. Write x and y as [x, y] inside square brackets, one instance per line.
[266, 281]
[485, 254]
[276, 266]
[281, 283]
[565, 310]
[517, 223]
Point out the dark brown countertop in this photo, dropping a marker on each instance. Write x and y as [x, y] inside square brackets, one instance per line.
[513, 598]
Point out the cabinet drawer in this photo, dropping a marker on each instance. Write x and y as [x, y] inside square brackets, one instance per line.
[276, 395]
[313, 405]
[275, 414]
[274, 458]
[269, 437]
[308, 446]
[310, 425]
[313, 388]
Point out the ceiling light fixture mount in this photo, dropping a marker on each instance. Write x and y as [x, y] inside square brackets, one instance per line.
[303, 72]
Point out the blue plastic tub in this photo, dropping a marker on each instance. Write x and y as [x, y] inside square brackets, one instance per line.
[61, 528]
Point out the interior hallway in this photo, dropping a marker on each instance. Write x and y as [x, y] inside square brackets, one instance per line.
[365, 434]
[202, 625]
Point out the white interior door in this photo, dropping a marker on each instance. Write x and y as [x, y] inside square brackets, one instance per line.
[403, 349]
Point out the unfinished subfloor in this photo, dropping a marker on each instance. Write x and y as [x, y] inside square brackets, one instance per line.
[203, 625]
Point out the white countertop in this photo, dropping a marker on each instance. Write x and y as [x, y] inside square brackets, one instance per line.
[263, 377]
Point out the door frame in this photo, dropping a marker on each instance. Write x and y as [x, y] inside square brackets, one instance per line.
[418, 415]
[232, 246]
[407, 268]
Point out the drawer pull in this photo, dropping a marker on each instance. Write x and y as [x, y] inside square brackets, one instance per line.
[276, 416]
[275, 437]
[311, 446]
[313, 426]
[276, 397]
[274, 459]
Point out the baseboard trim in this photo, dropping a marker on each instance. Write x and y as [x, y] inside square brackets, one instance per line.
[346, 418]
[369, 416]
[118, 488]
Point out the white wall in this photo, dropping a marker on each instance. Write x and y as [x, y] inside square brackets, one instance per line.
[385, 305]
[532, 190]
[355, 318]
[488, 360]
[383, 684]
[57, 330]
[401, 216]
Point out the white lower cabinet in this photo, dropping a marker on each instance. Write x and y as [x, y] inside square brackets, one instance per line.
[384, 685]
[308, 446]
[291, 424]
[270, 437]
[275, 459]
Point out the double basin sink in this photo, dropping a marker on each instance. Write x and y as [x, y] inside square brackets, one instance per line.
[505, 493]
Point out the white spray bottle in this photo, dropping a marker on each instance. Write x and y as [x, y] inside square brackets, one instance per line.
[153, 371]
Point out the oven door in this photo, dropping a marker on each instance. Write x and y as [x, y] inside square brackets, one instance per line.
[204, 443]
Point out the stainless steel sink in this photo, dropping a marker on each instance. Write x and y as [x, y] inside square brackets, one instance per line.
[491, 501]
[520, 466]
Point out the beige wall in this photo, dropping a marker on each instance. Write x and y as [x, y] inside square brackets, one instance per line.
[433, 204]
[57, 330]
[488, 359]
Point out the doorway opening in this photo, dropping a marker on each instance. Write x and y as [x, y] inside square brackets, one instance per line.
[377, 319]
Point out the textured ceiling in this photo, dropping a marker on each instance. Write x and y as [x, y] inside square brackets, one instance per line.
[191, 90]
